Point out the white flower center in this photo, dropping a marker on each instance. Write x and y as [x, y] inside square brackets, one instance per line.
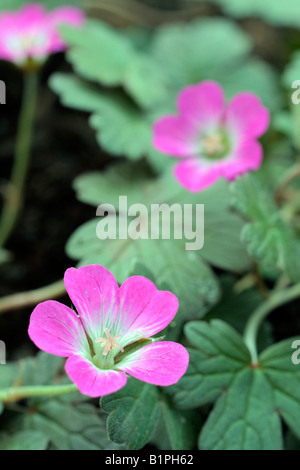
[213, 144]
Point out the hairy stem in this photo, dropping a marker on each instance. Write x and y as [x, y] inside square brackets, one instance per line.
[32, 297]
[14, 194]
[289, 177]
[275, 300]
[13, 394]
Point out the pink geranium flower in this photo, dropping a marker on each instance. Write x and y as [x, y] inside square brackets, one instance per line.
[212, 139]
[110, 335]
[32, 33]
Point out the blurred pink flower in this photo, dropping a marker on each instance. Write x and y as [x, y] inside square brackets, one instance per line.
[32, 33]
[213, 140]
[104, 340]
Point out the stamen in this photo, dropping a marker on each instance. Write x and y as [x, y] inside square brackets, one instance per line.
[213, 144]
[109, 343]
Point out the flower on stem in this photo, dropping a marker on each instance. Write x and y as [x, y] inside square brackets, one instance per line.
[30, 34]
[110, 336]
[212, 139]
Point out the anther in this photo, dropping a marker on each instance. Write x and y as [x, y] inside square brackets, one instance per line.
[109, 343]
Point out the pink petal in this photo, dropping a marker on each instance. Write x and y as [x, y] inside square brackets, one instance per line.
[161, 363]
[30, 14]
[92, 381]
[63, 16]
[66, 15]
[56, 329]
[145, 309]
[94, 293]
[246, 117]
[18, 30]
[195, 175]
[202, 104]
[175, 136]
[248, 156]
[34, 32]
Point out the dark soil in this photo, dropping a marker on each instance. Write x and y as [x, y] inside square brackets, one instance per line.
[64, 147]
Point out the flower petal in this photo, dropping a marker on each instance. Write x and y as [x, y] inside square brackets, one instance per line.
[145, 310]
[248, 156]
[29, 16]
[33, 32]
[64, 15]
[18, 30]
[202, 104]
[196, 176]
[56, 329]
[94, 293]
[175, 136]
[92, 381]
[246, 117]
[162, 363]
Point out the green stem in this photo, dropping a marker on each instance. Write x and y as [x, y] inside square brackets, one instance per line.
[14, 194]
[13, 394]
[288, 178]
[274, 301]
[32, 297]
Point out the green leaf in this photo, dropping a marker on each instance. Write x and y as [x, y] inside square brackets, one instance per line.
[256, 76]
[250, 419]
[188, 276]
[269, 239]
[224, 58]
[98, 52]
[96, 188]
[222, 240]
[77, 93]
[284, 377]
[221, 45]
[101, 53]
[278, 13]
[134, 413]
[248, 401]
[40, 370]
[24, 440]
[219, 352]
[222, 246]
[122, 129]
[145, 82]
[244, 417]
[181, 426]
[68, 425]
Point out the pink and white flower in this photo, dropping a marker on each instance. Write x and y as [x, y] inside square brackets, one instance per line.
[212, 139]
[110, 336]
[32, 33]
